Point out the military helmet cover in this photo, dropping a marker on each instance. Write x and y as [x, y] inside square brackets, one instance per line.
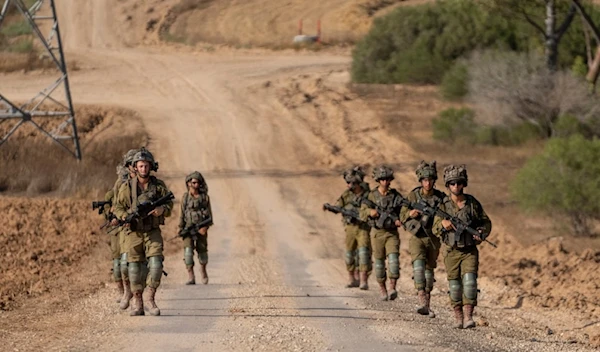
[355, 174]
[198, 176]
[426, 170]
[455, 173]
[144, 155]
[383, 172]
[128, 157]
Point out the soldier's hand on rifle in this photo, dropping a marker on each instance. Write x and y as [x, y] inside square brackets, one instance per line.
[414, 213]
[114, 222]
[158, 211]
[397, 223]
[374, 213]
[447, 224]
[203, 231]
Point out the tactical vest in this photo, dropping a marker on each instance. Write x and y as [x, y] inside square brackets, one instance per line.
[469, 215]
[138, 197]
[196, 209]
[421, 225]
[388, 202]
[353, 201]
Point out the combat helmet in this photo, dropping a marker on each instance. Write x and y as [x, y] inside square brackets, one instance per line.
[455, 173]
[426, 170]
[383, 172]
[144, 155]
[198, 176]
[354, 175]
[128, 157]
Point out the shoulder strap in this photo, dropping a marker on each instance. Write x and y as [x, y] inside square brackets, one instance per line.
[134, 190]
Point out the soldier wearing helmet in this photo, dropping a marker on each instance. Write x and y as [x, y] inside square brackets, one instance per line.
[116, 238]
[423, 246]
[195, 208]
[358, 242]
[386, 240]
[461, 256]
[145, 242]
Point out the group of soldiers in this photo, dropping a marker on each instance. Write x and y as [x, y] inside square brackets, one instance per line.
[135, 208]
[432, 217]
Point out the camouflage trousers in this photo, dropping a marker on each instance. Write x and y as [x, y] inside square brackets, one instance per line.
[358, 248]
[115, 245]
[424, 249]
[143, 245]
[458, 262]
[199, 243]
[386, 242]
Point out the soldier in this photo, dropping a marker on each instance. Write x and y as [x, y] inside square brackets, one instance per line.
[461, 255]
[384, 207]
[358, 241]
[114, 244]
[195, 208]
[144, 240]
[423, 246]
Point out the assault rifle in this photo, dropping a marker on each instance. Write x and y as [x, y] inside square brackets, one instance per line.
[348, 213]
[144, 210]
[387, 218]
[191, 230]
[100, 206]
[458, 224]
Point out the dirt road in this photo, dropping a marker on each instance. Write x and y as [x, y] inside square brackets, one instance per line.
[276, 273]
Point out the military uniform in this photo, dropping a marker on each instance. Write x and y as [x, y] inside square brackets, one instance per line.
[385, 240]
[461, 256]
[144, 242]
[194, 210]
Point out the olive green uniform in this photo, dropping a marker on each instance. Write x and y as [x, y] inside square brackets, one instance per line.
[461, 256]
[145, 243]
[424, 246]
[113, 235]
[193, 211]
[358, 241]
[386, 241]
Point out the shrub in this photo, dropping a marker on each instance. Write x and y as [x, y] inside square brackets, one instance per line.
[455, 82]
[16, 29]
[454, 124]
[564, 179]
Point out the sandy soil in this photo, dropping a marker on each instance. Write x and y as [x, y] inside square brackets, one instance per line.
[271, 132]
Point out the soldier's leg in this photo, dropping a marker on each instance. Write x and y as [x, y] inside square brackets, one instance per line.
[188, 259]
[417, 253]
[469, 269]
[202, 249]
[350, 255]
[432, 252]
[154, 253]
[116, 264]
[392, 248]
[452, 262]
[135, 260]
[127, 294]
[379, 256]
[364, 258]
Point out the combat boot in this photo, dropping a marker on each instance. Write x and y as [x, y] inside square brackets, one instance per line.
[120, 290]
[424, 308]
[468, 321]
[428, 302]
[137, 304]
[203, 274]
[393, 293]
[383, 290]
[458, 317]
[127, 295]
[153, 308]
[352, 282]
[191, 277]
[364, 280]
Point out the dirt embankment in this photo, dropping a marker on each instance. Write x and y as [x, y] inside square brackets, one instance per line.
[555, 277]
[47, 241]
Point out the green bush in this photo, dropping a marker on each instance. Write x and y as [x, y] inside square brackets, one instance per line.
[455, 82]
[564, 179]
[454, 125]
[21, 46]
[16, 29]
[568, 125]
[579, 67]
[506, 135]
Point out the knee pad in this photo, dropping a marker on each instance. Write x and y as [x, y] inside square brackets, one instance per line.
[155, 268]
[470, 285]
[394, 263]
[188, 256]
[380, 268]
[429, 280]
[364, 256]
[350, 257]
[455, 290]
[135, 273]
[356, 258]
[124, 267]
[116, 270]
[419, 273]
[203, 258]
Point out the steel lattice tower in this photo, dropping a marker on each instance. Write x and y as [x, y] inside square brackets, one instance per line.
[47, 103]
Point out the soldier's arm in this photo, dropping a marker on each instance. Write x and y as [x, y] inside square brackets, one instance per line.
[484, 220]
[340, 202]
[108, 197]
[163, 191]
[437, 227]
[182, 213]
[209, 207]
[405, 211]
[121, 206]
[365, 211]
